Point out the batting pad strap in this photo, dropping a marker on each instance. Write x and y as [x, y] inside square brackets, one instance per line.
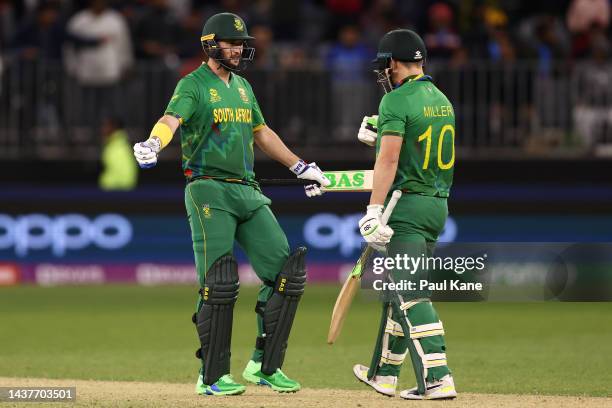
[409, 304]
[434, 360]
[260, 343]
[163, 133]
[394, 328]
[427, 330]
[388, 357]
[260, 307]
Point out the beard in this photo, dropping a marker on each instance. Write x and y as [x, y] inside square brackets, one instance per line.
[233, 62]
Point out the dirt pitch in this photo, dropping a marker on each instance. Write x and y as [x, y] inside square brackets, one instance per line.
[141, 394]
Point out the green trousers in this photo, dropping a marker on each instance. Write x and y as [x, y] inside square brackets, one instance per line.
[417, 222]
[220, 213]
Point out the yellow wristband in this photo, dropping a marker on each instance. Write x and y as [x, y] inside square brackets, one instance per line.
[163, 133]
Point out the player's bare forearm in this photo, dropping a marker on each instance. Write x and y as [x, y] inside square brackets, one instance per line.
[384, 173]
[272, 145]
[385, 168]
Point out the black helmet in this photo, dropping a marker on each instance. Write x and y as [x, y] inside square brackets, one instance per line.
[229, 27]
[401, 45]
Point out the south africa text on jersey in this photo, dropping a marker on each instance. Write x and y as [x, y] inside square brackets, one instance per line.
[240, 115]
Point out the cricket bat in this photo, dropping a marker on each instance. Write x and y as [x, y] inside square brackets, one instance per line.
[343, 181]
[351, 285]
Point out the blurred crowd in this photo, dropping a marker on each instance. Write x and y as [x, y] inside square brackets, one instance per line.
[333, 33]
[98, 42]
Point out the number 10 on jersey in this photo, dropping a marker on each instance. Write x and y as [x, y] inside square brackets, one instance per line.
[427, 136]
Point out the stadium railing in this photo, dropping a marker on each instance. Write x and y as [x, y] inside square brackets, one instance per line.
[502, 111]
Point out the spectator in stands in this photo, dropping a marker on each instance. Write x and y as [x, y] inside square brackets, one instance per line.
[120, 171]
[181, 8]
[348, 61]
[549, 45]
[158, 34]
[266, 56]
[260, 12]
[349, 57]
[584, 19]
[582, 14]
[157, 39]
[500, 47]
[7, 21]
[593, 89]
[98, 70]
[441, 39]
[343, 12]
[499, 50]
[380, 18]
[314, 20]
[37, 49]
[105, 64]
[44, 36]
[285, 19]
[191, 27]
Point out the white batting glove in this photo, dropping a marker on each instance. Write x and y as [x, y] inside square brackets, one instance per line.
[313, 190]
[372, 229]
[310, 171]
[368, 131]
[146, 152]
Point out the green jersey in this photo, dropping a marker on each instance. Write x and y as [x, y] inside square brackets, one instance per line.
[217, 125]
[422, 115]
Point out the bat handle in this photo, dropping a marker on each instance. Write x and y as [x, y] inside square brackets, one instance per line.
[286, 182]
[390, 206]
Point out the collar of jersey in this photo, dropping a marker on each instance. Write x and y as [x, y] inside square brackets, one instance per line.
[413, 78]
[231, 77]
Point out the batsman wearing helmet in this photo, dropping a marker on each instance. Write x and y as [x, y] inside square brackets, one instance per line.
[219, 120]
[414, 134]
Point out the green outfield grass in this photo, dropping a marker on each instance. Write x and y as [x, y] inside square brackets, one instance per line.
[146, 334]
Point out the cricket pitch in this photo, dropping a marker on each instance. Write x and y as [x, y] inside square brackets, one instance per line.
[154, 394]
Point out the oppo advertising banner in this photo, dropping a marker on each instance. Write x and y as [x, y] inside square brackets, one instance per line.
[53, 249]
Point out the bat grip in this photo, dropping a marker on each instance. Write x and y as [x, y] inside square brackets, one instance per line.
[286, 182]
[390, 206]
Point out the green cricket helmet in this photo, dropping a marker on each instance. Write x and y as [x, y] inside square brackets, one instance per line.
[226, 27]
[401, 45]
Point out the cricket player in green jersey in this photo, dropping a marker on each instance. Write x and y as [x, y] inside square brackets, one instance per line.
[414, 135]
[220, 119]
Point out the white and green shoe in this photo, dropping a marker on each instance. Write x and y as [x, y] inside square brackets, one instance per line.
[223, 386]
[444, 388]
[278, 381]
[384, 384]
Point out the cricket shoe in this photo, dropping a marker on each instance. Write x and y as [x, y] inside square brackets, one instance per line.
[384, 384]
[441, 389]
[278, 381]
[223, 386]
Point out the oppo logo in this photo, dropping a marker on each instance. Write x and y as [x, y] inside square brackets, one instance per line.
[63, 232]
[329, 231]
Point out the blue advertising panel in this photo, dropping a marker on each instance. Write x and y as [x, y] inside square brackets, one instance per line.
[114, 247]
